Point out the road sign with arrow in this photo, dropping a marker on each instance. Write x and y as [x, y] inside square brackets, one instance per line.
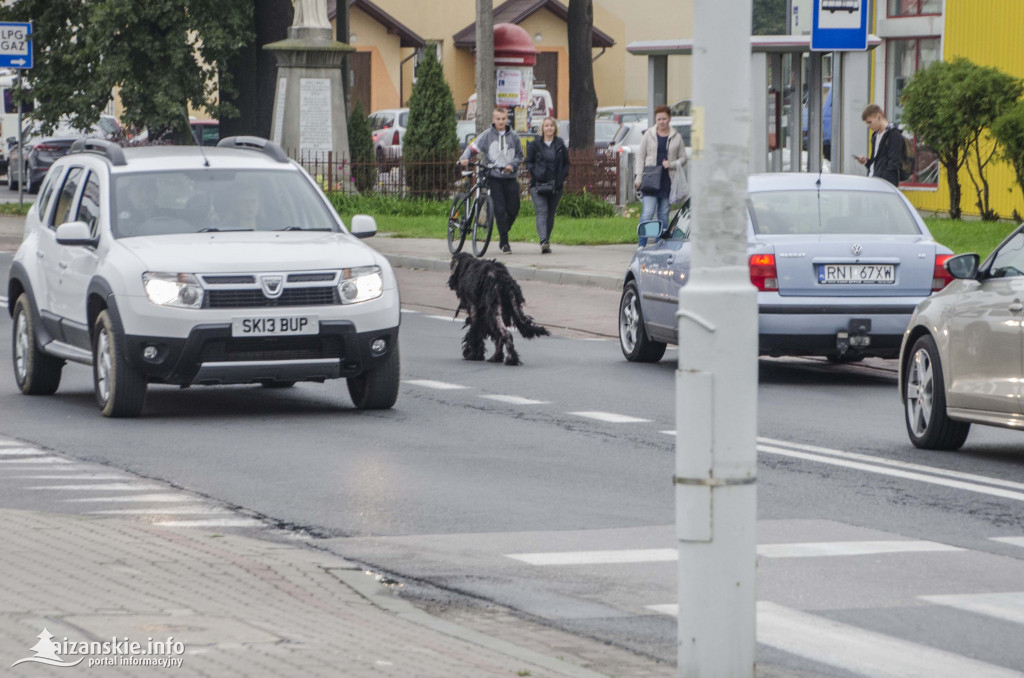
[15, 45]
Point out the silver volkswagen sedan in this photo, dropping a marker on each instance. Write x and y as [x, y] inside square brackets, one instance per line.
[840, 262]
[961, 359]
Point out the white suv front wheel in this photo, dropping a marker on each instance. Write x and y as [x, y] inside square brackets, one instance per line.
[35, 372]
[120, 389]
[377, 388]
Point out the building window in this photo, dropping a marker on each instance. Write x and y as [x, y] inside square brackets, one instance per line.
[904, 58]
[914, 7]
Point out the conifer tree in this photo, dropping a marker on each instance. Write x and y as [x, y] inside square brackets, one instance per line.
[430, 147]
[360, 145]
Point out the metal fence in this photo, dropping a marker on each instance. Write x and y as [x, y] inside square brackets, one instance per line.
[438, 176]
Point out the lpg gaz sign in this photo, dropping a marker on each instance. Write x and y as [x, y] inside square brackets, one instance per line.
[15, 45]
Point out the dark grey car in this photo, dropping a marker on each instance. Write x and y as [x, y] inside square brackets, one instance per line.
[41, 151]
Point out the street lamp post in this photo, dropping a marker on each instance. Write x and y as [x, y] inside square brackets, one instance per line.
[716, 383]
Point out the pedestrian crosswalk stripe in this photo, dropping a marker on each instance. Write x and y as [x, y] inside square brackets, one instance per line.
[19, 451]
[610, 417]
[1006, 606]
[165, 511]
[850, 548]
[515, 400]
[794, 550]
[438, 385]
[84, 476]
[1013, 541]
[17, 461]
[855, 650]
[106, 487]
[598, 557]
[138, 498]
[212, 522]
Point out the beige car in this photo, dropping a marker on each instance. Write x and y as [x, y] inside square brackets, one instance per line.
[961, 361]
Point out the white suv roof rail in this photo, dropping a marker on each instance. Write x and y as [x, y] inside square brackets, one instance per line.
[109, 149]
[260, 144]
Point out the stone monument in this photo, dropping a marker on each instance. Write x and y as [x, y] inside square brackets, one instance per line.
[309, 116]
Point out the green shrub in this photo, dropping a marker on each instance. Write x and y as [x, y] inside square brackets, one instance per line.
[348, 204]
[360, 144]
[584, 206]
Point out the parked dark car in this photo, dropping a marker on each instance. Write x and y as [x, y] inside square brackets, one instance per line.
[41, 151]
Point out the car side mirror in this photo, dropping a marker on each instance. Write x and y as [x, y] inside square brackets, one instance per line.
[648, 230]
[363, 226]
[76, 233]
[963, 266]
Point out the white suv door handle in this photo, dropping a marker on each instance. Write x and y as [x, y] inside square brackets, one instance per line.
[1016, 306]
[62, 265]
[39, 255]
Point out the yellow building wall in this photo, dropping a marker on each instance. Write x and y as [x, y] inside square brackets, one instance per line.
[385, 55]
[987, 33]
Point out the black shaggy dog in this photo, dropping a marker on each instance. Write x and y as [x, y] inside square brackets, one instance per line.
[493, 303]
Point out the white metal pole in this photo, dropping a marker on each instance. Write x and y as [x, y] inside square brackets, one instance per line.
[716, 383]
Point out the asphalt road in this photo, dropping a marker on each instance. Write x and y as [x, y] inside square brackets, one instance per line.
[547, 489]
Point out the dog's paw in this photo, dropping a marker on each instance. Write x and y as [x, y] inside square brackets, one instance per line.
[496, 358]
[513, 361]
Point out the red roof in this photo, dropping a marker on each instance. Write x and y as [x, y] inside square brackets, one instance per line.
[517, 11]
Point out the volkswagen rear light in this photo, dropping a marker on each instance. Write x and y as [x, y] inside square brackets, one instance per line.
[941, 277]
[763, 273]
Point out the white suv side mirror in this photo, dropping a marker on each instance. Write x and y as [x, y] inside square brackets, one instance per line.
[76, 233]
[363, 226]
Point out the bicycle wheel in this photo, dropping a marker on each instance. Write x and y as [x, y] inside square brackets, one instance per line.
[458, 219]
[483, 224]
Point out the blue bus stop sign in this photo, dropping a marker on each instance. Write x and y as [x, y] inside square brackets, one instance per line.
[15, 45]
[839, 26]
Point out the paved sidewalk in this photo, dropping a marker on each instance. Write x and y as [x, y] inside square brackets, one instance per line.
[238, 606]
[12, 229]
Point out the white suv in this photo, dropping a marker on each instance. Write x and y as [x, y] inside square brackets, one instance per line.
[184, 265]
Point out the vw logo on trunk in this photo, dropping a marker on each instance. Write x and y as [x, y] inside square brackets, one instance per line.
[273, 285]
[856, 250]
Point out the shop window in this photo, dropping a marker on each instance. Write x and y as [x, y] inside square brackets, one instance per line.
[904, 58]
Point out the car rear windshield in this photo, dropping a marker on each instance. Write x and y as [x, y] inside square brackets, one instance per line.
[193, 201]
[830, 212]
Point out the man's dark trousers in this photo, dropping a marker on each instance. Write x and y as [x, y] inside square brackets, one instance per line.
[505, 194]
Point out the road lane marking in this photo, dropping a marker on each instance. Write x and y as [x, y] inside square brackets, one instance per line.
[446, 318]
[1006, 606]
[970, 477]
[437, 385]
[598, 557]
[138, 498]
[669, 433]
[610, 417]
[856, 650]
[166, 511]
[212, 522]
[3, 300]
[793, 550]
[896, 473]
[515, 400]
[410, 311]
[105, 487]
[1012, 541]
[850, 548]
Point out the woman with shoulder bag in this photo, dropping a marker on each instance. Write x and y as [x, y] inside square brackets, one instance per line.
[547, 158]
[662, 154]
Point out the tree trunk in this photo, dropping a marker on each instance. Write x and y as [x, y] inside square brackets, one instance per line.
[254, 71]
[582, 96]
[486, 87]
[953, 180]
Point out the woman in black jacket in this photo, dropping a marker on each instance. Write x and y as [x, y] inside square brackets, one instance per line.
[547, 158]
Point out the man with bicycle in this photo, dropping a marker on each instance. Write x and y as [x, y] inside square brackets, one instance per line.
[503, 154]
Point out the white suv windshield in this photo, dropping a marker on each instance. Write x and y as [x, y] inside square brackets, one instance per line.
[193, 201]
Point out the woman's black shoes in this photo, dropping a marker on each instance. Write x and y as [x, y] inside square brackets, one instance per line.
[545, 248]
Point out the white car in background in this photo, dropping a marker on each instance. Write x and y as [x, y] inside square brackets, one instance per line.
[190, 266]
[388, 126]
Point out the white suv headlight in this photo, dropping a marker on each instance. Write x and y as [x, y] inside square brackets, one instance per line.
[360, 284]
[173, 289]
